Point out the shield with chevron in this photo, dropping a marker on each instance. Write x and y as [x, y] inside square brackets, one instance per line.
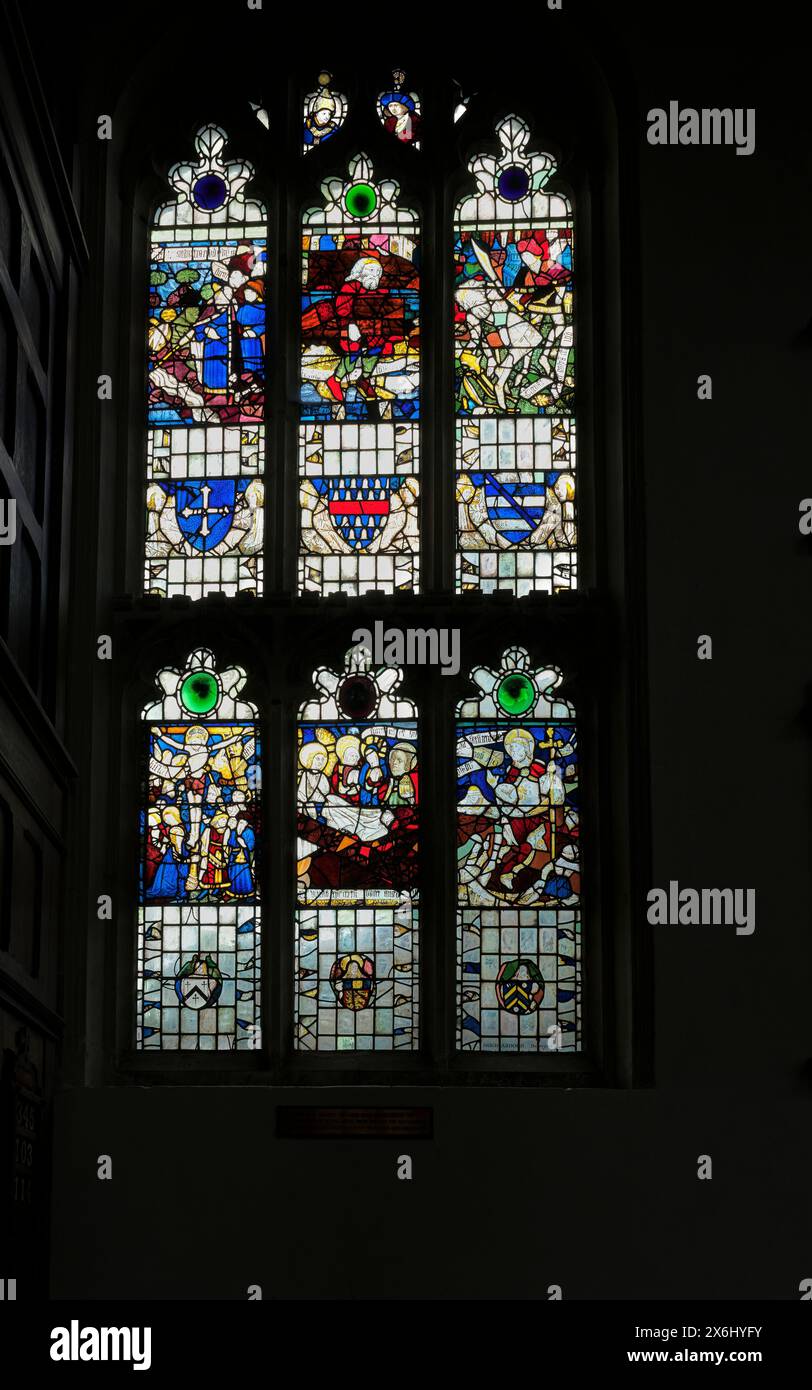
[519, 986]
[358, 506]
[199, 983]
[514, 508]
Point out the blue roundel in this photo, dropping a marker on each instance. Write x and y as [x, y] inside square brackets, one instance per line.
[514, 183]
[210, 192]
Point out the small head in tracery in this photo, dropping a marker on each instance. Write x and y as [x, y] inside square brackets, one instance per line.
[324, 112]
[399, 111]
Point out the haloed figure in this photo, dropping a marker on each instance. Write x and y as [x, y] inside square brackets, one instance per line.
[170, 875]
[346, 777]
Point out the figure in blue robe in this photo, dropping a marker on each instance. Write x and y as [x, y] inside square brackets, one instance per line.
[240, 861]
[251, 316]
[214, 368]
[170, 876]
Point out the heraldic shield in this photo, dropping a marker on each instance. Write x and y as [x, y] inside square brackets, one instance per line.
[352, 978]
[519, 987]
[358, 507]
[199, 983]
[515, 509]
[205, 510]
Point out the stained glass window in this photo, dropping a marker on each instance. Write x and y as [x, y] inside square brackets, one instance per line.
[518, 862]
[399, 111]
[357, 444]
[199, 914]
[360, 389]
[515, 381]
[324, 113]
[356, 961]
[206, 401]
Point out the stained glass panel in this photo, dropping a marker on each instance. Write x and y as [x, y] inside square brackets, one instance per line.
[324, 113]
[199, 914]
[360, 387]
[399, 111]
[518, 863]
[515, 375]
[206, 400]
[356, 954]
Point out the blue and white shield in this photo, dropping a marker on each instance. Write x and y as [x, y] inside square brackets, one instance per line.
[205, 510]
[358, 506]
[514, 509]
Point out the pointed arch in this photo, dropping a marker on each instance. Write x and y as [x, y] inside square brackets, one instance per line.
[360, 389]
[518, 865]
[358, 803]
[198, 973]
[515, 374]
[205, 494]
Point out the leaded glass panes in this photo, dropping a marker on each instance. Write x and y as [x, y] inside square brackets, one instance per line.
[399, 111]
[206, 395]
[518, 863]
[357, 442]
[359, 433]
[356, 941]
[515, 375]
[324, 113]
[199, 913]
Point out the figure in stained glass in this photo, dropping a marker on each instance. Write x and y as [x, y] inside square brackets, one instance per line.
[518, 861]
[357, 862]
[199, 919]
[360, 318]
[324, 113]
[360, 388]
[206, 396]
[199, 784]
[515, 375]
[206, 333]
[399, 111]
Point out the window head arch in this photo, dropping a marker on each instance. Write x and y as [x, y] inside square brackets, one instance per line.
[518, 874]
[359, 433]
[198, 974]
[357, 932]
[515, 374]
[205, 465]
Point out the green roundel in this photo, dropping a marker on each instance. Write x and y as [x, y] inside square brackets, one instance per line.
[516, 693]
[360, 200]
[200, 692]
